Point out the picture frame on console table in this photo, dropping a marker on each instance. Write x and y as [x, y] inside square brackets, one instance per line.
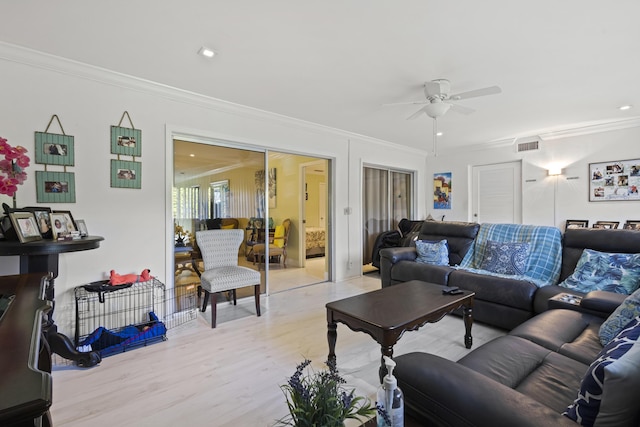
[614, 181]
[24, 224]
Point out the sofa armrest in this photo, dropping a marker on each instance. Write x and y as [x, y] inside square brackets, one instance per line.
[391, 256]
[438, 391]
[602, 301]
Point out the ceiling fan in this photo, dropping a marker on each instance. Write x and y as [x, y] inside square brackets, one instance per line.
[439, 99]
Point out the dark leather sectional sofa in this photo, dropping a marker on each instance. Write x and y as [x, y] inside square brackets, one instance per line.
[499, 301]
[527, 377]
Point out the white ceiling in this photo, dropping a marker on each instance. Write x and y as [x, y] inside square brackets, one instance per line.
[560, 64]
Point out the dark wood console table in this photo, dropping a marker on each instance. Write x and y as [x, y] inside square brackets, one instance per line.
[25, 360]
[41, 256]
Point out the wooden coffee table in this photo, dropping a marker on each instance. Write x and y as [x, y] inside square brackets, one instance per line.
[387, 313]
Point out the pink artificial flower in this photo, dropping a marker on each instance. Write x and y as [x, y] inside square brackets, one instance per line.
[23, 161]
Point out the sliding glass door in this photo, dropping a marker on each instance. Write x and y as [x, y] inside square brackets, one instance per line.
[387, 198]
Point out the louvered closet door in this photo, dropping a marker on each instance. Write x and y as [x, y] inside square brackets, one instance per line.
[496, 193]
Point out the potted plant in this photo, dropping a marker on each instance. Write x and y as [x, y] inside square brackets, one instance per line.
[321, 399]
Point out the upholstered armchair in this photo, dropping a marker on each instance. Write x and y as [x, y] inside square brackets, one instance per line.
[219, 249]
[277, 248]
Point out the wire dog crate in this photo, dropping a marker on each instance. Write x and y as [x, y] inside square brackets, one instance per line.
[114, 319]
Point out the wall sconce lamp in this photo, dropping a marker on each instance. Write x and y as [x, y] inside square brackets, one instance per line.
[554, 171]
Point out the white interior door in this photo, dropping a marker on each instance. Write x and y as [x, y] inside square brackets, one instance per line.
[496, 193]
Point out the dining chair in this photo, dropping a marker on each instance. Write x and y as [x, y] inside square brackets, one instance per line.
[219, 249]
[277, 247]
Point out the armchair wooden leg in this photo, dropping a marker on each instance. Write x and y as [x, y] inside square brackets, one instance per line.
[233, 294]
[205, 301]
[214, 309]
[257, 297]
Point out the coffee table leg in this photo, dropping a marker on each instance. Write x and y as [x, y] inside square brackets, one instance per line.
[387, 350]
[332, 337]
[468, 322]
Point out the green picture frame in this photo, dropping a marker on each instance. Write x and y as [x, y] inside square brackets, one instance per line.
[126, 174]
[126, 141]
[54, 149]
[55, 187]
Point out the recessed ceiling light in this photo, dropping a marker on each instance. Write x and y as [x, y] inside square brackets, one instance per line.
[624, 107]
[439, 134]
[192, 155]
[206, 52]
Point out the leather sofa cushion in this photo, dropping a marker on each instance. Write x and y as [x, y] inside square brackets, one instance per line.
[501, 290]
[537, 372]
[568, 332]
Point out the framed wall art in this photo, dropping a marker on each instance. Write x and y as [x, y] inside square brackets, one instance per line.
[54, 149]
[126, 174]
[55, 187]
[273, 187]
[442, 190]
[614, 181]
[126, 141]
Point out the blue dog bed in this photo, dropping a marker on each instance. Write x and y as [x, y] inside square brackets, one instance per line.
[107, 342]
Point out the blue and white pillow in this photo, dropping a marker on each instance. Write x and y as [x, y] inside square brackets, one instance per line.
[505, 257]
[621, 316]
[604, 271]
[429, 252]
[609, 391]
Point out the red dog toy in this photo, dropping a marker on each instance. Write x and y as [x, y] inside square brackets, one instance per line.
[117, 279]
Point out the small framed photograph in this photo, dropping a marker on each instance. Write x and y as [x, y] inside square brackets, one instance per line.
[576, 223]
[82, 228]
[43, 219]
[606, 224]
[55, 187]
[54, 149]
[126, 141]
[69, 223]
[59, 225]
[632, 225]
[24, 223]
[126, 174]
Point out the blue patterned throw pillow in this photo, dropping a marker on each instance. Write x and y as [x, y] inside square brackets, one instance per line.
[609, 390]
[603, 271]
[436, 253]
[621, 316]
[505, 257]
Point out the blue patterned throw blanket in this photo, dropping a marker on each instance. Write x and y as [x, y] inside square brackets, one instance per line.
[545, 251]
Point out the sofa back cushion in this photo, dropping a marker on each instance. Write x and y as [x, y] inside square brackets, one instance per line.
[459, 236]
[545, 247]
[575, 240]
[608, 394]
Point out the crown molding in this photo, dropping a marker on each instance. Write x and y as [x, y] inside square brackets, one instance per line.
[38, 59]
[570, 132]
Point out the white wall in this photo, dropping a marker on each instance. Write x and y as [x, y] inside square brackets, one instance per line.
[136, 224]
[573, 154]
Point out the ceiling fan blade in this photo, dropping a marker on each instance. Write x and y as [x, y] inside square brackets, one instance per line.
[417, 113]
[463, 110]
[406, 103]
[478, 92]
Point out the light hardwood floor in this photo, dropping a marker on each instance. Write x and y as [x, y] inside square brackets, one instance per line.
[230, 376]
